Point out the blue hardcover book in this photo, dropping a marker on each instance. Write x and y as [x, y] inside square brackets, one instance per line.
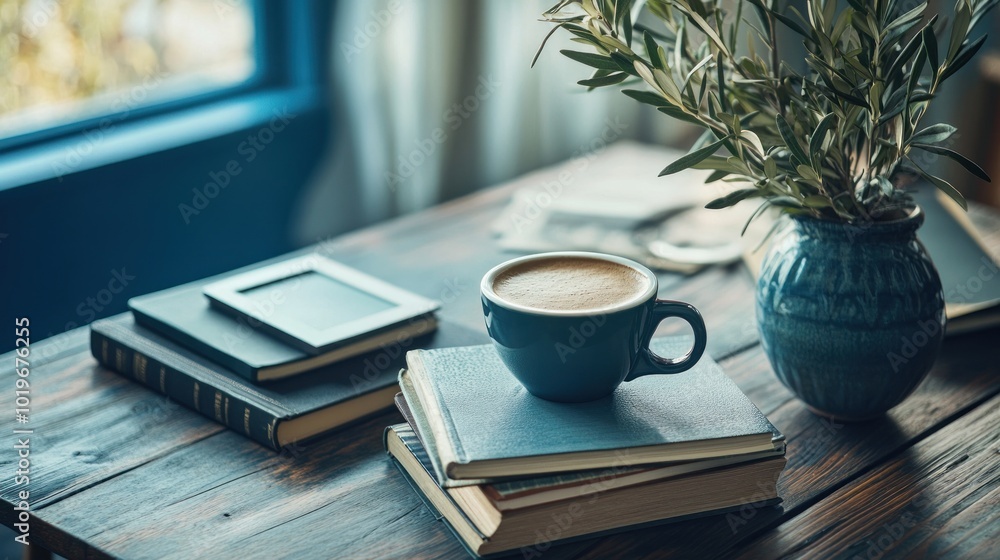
[485, 425]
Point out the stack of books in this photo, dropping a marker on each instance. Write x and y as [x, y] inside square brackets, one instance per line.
[506, 470]
[279, 352]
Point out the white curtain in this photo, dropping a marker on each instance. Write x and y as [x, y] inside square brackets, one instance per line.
[435, 98]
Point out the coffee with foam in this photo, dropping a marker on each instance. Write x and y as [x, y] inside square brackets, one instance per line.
[570, 284]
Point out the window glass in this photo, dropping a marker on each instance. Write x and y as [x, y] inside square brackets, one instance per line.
[67, 60]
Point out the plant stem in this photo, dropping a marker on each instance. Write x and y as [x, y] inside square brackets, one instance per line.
[775, 63]
[775, 60]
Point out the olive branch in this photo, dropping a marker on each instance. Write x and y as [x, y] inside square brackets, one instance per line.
[836, 142]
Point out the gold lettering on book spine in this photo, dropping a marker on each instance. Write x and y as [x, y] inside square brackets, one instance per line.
[197, 390]
[139, 367]
[218, 407]
[246, 420]
[226, 406]
[163, 379]
[120, 360]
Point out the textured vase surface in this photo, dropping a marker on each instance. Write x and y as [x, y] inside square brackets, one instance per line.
[851, 317]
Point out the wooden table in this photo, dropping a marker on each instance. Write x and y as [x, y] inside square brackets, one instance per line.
[119, 471]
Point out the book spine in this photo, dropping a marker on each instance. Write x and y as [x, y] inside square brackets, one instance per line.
[212, 402]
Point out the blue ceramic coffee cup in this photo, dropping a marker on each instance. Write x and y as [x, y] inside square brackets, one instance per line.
[577, 355]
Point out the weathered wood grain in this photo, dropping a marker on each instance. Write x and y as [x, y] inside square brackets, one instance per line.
[220, 492]
[89, 424]
[938, 497]
[226, 496]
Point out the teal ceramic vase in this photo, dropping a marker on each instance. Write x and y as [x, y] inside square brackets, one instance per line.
[851, 317]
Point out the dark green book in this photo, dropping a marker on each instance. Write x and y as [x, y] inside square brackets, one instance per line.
[485, 425]
[484, 531]
[275, 415]
[185, 315]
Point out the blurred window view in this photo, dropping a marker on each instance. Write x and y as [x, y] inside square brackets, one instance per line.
[67, 60]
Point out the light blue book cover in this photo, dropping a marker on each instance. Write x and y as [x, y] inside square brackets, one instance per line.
[484, 424]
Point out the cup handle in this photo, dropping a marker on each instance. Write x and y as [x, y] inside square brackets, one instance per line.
[648, 362]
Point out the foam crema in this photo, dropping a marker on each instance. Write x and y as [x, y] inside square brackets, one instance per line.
[570, 284]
